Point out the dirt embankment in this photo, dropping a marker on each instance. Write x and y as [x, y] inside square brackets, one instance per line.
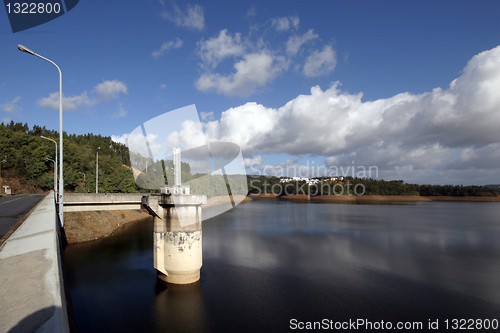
[474, 199]
[19, 185]
[345, 198]
[399, 198]
[87, 226]
[370, 198]
[264, 195]
[377, 198]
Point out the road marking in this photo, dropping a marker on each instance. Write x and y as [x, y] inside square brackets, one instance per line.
[3, 203]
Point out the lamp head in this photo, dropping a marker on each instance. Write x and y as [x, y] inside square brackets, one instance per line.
[25, 49]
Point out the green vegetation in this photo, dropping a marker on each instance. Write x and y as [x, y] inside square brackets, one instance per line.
[399, 187]
[23, 154]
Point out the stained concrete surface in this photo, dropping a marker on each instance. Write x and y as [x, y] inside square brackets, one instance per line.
[31, 285]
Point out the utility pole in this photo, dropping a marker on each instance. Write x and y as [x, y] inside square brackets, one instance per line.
[97, 170]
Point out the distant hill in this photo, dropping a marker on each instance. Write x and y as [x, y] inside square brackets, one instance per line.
[493, 186]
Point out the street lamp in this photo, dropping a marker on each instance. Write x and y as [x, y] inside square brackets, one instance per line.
[97, 168]
[55, 167]
[61, 182]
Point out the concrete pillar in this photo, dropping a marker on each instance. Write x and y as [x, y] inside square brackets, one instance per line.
[178, 249]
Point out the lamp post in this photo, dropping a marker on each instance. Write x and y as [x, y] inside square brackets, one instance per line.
[61, 182]
[55, 167]
[97, 169]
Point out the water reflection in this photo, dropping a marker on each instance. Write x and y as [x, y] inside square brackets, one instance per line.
[179, 308]
[327, 238]
[266, 262]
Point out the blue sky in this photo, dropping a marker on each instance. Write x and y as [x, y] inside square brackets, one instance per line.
[337, 83]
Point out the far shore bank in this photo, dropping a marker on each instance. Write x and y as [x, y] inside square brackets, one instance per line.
[224, 199]
[375, 198]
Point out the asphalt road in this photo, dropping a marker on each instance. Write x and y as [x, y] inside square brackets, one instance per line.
[14, 207]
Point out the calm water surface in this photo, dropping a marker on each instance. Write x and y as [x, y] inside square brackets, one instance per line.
[267, 262]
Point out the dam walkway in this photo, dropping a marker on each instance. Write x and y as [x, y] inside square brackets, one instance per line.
[31, 279]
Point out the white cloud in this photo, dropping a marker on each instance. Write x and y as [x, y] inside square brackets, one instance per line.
[11, 106]
[68, 103]
[320, 63]
[120, 113]
[254, 71]
[191, 18]
[136, 142]
[214, 50]
[120, 139]
[453, 129]
[102, 92]
[252, 162]
[163, 86]
[206, 115]
[285, 23]
[255, 62]
[108, 90]
[167, 46]
[295, 42]
[190, 136]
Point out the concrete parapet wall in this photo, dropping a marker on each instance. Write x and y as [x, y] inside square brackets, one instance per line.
[78, 202]
[74, 198]
[32, 289]
[97, 207]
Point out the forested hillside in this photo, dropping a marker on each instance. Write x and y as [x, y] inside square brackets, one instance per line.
[23, 156]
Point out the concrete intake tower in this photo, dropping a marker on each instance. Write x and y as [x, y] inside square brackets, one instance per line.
[177, 235]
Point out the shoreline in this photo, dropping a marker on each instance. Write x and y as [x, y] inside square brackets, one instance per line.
[375, 198]
[218, 200]
[87, 226]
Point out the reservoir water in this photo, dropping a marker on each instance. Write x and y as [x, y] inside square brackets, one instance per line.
[272, 265]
